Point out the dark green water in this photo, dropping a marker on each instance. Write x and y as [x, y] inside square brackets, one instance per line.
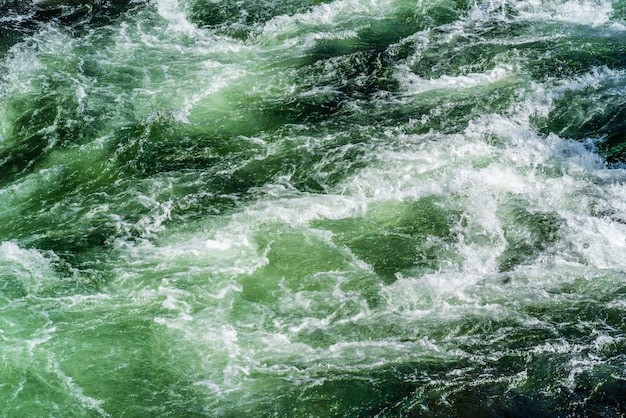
[350, 208]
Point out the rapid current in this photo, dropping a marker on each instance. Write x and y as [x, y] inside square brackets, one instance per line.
[312, 208]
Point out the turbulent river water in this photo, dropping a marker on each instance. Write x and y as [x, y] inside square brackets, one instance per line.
[312, 208]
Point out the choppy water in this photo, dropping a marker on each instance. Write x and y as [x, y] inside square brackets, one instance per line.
[348, 208]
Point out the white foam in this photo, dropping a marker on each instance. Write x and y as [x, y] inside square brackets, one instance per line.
[412, 84]
[31, 268]
[600, 241]
[339, 19]
[592, 13]
[172, 11]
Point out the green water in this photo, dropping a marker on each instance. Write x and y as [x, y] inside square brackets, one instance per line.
[350, 208]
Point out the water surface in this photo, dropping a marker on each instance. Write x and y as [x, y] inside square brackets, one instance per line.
[348, 208]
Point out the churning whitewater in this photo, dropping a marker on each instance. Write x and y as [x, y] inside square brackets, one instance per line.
[312, 208]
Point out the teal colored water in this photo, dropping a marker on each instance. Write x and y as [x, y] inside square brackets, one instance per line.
[349, 208]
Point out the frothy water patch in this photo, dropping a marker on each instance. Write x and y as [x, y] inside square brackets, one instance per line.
[580, 12]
